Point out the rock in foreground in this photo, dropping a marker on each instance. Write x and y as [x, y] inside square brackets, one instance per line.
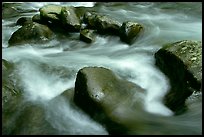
[106, 97]
[182, 63]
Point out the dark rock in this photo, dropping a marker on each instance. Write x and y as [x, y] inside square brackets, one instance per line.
[13, 9]
[106, 97]
[108, 25]
[129, 31]
[31, 33]
[9, 12]
[37, 18]
[87, 35]
[103, 24]
[80, 11]
[20, 117]
[69, 18]
[11, 97]
[90, 19]
[23, 21]
[182, 63]
[32, 121]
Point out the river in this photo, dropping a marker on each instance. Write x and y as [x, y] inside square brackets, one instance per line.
[164, 22]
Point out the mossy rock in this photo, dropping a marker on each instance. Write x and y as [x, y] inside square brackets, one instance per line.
[87, 35]
[69, 19]
[102, 23]
[129, 31]
[50, 12]
[31, 33]
[182, 63]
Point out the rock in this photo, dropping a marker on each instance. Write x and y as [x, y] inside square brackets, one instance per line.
[11, 97]
[9, 12]
[182, 63]
[129, 31]
[37, 18]
[90, 19]
[31, 33]
[9, 86]
[80, 11]
[18, 115]
[23, 21]
[106, 97]
[69, 18]
[12, 9]
[103, 24]
[87, 35]
[50, 12]
[108, 25]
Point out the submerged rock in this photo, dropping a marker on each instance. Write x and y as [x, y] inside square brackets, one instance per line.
[182, 63]
[129, 31]
[11, 97]
[12, 9]
[31, 33]
[106, 97]
[87, 35]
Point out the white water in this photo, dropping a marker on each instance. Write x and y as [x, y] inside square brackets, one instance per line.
[135, 63]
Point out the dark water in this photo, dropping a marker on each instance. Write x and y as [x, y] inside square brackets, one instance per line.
[163, 22]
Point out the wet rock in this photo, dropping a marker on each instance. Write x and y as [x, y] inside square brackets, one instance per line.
[87, 35]
[108, 25]
[182, 63]
[20, 117]
[11, 97]
[69, 18]
[90, 19]
[102, 23]
[9, 86]
[106, 97]
[32, 121]
[80, 11]
[37, 18]
[8, 12]
[31, 33]
[50, 13]
[23, 21]
[12, 9]
[129, 31]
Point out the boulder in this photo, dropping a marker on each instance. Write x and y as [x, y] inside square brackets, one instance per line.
[31, 33]
[102, 23]
[12, 9]
[129, 31]
[37, 18]
[11, 97]
[106, 97]
[87, 35]
[23, 21]
[182, 63]
[90, 19]
[20, 117]
[80, 11]
[50, 12]
[69, 18]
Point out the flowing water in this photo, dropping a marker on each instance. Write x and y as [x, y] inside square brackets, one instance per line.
[163, 22]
